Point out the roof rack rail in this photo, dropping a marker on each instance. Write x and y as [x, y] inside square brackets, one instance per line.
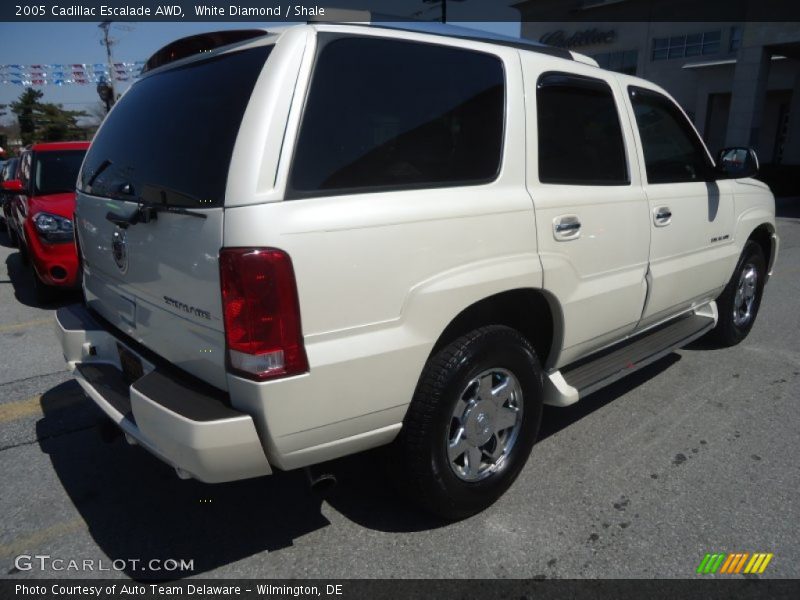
[464, 33]
[373, 19]
[204, 42]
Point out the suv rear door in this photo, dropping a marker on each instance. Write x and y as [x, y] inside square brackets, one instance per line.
[150, 207]
[591, 212]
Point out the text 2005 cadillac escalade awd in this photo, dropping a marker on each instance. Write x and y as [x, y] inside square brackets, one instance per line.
[304, 244]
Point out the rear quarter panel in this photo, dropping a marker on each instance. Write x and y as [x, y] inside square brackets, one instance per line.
[380, 276]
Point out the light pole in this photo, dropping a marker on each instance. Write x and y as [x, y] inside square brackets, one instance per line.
[108, 95]
[444, 6]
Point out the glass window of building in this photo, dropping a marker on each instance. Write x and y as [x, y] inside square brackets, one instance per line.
[711, 42]
[736, 39]
[660, 48]
[679, 46]
[694, 44]
[621, 61]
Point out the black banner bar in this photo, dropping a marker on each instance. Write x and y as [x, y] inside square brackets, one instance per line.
[401, 10]
[658, 589]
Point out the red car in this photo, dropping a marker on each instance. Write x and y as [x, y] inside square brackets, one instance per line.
[41, 205]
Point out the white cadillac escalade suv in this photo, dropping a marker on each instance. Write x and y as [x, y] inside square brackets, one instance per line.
[304, 244]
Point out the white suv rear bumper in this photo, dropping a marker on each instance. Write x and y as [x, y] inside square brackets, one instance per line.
[185, 424]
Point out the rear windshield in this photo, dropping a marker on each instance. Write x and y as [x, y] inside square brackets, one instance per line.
[171, 136]
[56, 171]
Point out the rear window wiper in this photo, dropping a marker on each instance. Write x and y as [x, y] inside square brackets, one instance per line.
[145, 213]
[154, 209]
[103, 166]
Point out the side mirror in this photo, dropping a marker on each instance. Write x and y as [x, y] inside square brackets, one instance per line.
[737, 163]
[13, 186]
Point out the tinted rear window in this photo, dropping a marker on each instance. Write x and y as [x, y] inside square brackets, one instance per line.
[387, 114]
[56, 171]
[171, 136]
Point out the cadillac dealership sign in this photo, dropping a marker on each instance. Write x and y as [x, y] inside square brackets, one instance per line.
[587, 37]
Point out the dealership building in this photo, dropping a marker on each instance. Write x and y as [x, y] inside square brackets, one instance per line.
[738, 81]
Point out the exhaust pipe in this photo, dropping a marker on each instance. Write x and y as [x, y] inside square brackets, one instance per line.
[322, 484]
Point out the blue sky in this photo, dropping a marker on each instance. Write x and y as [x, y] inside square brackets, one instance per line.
[47, 43]
[80, 43]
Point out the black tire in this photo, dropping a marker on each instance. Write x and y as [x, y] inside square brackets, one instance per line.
[429, 476]
[732, 329]
[23, 251]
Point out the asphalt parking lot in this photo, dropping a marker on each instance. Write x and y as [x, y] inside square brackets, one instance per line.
[698, 453]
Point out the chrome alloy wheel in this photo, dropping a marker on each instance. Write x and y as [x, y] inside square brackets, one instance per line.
[485, 424]
[745, 295]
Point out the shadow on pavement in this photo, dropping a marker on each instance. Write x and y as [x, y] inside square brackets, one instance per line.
[136, 508]
[705, 343]
[557, 418]
[788, 207]
[20, 275]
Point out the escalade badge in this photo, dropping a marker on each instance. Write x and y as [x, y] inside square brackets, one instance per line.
[119, 248]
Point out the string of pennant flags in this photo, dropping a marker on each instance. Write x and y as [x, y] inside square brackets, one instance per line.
[68, 74]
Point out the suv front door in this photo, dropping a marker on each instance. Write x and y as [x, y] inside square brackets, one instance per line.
[691, 213]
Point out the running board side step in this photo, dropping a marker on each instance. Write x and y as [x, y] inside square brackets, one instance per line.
[588, 375]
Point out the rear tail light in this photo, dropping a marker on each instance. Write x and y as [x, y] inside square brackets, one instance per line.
[262, 313]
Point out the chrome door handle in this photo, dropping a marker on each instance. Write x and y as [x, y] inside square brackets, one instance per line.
[662, 216]
[566, 227]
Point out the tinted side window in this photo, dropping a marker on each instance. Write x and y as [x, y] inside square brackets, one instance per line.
[672, 151]
[390, 114]
[580, 138]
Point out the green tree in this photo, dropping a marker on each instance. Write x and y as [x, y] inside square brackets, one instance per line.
[24, 108]
[55, 124]
[45, 122]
